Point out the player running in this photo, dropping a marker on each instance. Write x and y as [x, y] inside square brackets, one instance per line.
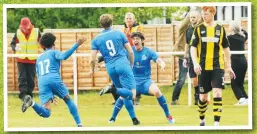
[49, 79]
[113, 44]
[142, 73]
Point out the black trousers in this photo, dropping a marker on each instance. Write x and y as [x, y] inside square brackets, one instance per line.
[239, 66]
[26, 76]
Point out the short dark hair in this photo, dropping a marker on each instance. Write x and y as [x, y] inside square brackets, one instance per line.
[47, 40]
[106, 20]
[138, 34]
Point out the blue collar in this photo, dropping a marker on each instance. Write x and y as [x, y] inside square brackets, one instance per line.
[107, 30]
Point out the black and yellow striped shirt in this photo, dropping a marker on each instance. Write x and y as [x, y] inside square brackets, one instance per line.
[210, 42]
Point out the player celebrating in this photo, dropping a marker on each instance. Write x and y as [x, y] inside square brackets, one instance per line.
[207, 45]
[49, 79]
[111, 44]
[142, 73]
[130, 26]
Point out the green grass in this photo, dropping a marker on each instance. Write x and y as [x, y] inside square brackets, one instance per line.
[16, 105]
[95, 111]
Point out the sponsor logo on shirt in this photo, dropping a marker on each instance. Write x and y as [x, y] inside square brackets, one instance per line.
[217, 32]
[143, 57]
[210, 39]
[201, 89]
[202, 32]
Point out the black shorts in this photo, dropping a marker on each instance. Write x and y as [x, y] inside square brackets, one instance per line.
[192, 73]
[211, 79]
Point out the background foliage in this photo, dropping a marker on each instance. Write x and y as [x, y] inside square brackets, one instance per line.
[64, 18]
[254, 62]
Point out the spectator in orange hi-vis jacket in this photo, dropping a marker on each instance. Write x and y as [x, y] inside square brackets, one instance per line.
[130, 26]
[26, 41]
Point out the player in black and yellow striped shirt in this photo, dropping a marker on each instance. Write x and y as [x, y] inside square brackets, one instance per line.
[210, 42]
[207, 45]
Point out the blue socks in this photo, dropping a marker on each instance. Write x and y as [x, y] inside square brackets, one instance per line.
[41, 111]
[117, 107]
[164, 105]
[73, 110]
[130, 108]
[125, 93]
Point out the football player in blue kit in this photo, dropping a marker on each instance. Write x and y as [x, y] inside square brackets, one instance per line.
[49, 79]
[113, 44]
[142, 74]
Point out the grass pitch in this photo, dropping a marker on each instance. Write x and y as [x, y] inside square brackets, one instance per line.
[95, 111]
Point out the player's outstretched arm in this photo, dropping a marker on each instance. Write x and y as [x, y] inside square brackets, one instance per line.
[67, 54]
[161, 63]
[131, 54]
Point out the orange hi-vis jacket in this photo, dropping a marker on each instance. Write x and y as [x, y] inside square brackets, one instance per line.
[129, 30]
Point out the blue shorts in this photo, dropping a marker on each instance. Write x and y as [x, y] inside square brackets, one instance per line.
[121, 74]
[143, 86]
[50, 87]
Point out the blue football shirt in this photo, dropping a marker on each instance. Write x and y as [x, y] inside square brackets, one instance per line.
[142, 63]
[48, 63]
[110, 43]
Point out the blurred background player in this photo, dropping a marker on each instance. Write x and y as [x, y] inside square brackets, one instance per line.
[49, 79]
[237, 41]
[186, 30]
[113, 44]
[142, 73]
[195, 19]
[207, 45]
[26, 41]
[130, 26]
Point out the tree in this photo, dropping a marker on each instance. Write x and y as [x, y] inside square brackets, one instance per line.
[64, 18]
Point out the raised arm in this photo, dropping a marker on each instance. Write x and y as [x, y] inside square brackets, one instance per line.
[67, 54]
[184, 25]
